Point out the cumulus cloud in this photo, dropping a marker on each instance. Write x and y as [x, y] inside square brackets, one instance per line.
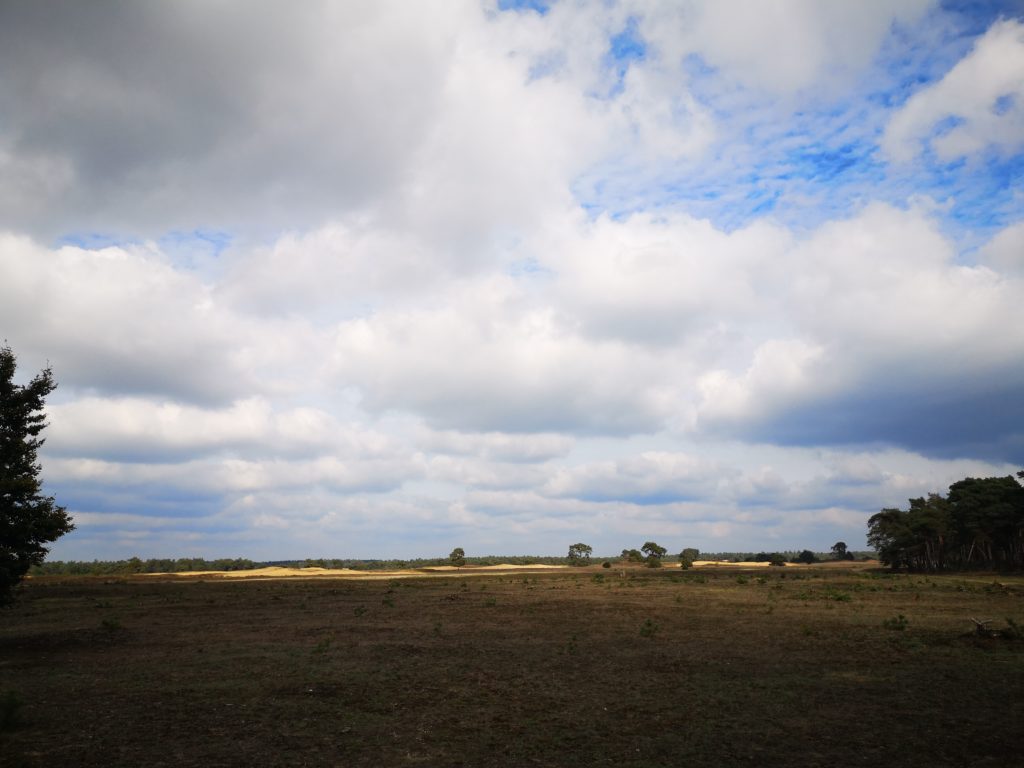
[141, 430]
[650, 280]
[978, 104]
[893, 342]
[488, 361]
[122, 320]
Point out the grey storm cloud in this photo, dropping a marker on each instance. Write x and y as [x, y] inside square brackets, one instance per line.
[137, 118]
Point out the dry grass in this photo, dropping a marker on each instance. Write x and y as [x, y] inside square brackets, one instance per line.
[589, 666]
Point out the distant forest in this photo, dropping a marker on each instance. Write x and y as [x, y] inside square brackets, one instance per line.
[192, 564]
[979, 524]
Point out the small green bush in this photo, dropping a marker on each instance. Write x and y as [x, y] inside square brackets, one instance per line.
[606, 564]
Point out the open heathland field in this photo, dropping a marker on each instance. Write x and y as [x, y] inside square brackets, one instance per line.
[812, 666]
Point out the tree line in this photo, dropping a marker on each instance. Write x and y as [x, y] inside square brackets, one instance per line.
[978, 524]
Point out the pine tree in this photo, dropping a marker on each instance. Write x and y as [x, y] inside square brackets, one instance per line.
[28, 519]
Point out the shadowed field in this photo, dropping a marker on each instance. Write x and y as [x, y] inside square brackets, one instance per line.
[590, 666]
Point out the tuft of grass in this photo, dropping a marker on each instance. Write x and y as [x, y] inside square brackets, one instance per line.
[649, 628]
[836, 595]
[896, 623]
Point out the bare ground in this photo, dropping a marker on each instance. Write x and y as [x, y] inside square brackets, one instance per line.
[622, 666]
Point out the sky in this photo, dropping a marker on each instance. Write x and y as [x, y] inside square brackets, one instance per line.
[379, 279]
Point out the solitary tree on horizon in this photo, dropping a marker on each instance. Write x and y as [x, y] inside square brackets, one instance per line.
[579, 554]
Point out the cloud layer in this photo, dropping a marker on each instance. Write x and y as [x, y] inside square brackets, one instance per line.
[375, 280]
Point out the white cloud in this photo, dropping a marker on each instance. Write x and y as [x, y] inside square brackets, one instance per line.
[122, 320]
[652, 476]
[781, 46]
[140, 430]
[878, 307]
[1005, 252]
[489, 361]
[663, 280]
[982, 98]
[496, 446]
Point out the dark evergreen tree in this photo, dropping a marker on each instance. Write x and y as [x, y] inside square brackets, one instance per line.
[28, 519]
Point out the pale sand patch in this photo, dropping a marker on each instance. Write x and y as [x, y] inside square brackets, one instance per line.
[279, 572]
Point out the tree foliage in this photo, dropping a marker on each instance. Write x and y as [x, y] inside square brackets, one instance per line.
[457, 557]
[807, 557]
[28, 519]
[579, 554]
[979, 524]
[687, 557]
[653, 551]
[840, 551]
